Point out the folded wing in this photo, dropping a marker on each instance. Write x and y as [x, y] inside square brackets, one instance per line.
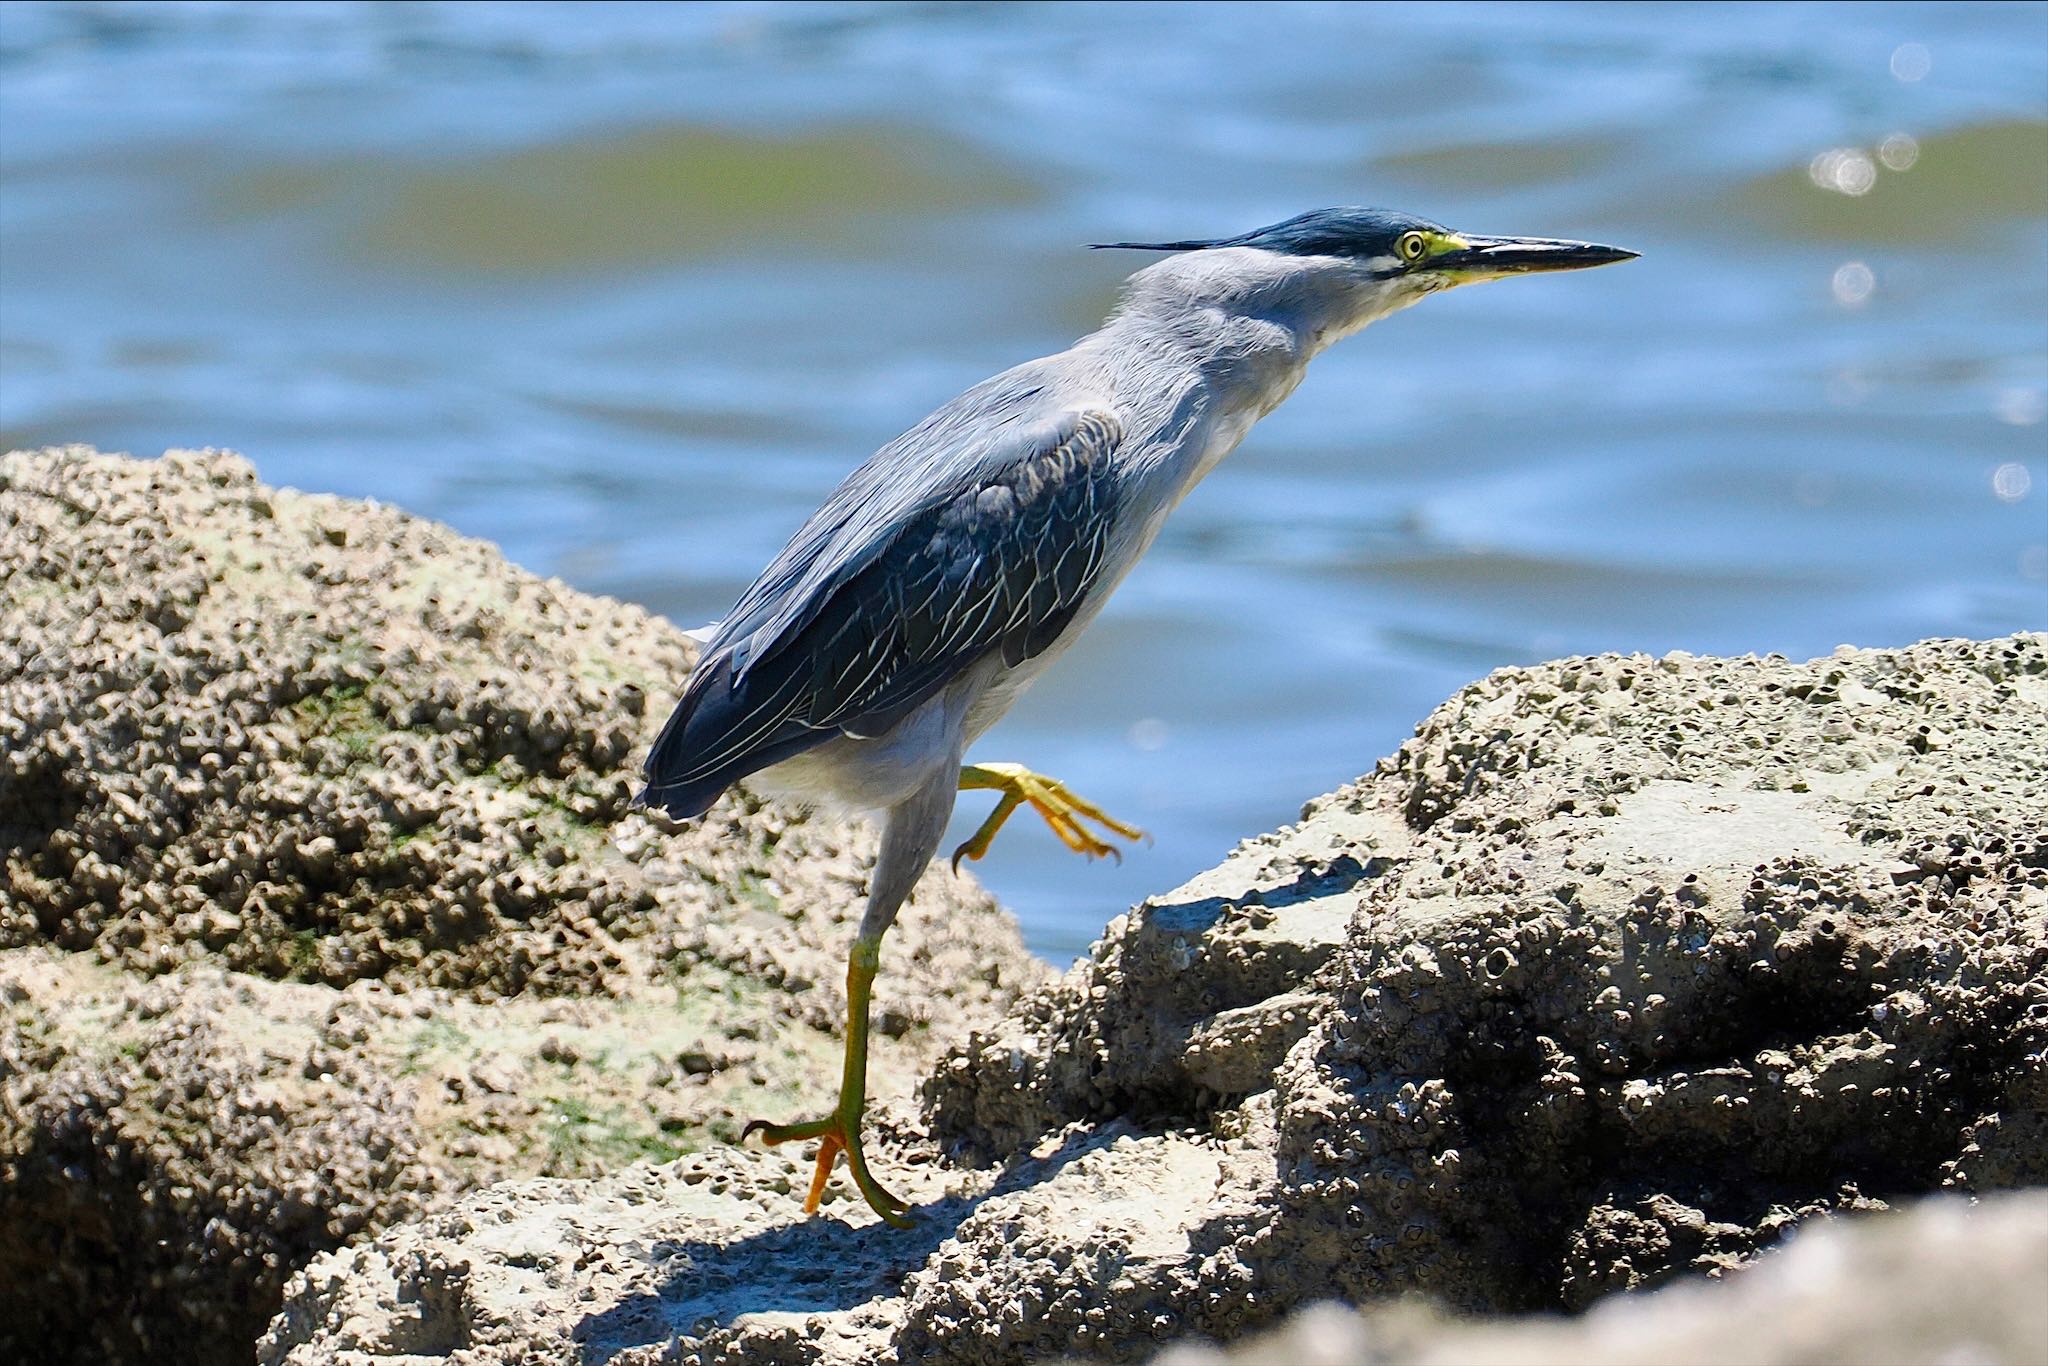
[961, 538]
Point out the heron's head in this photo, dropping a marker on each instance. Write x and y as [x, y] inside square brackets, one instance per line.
[1353, 265]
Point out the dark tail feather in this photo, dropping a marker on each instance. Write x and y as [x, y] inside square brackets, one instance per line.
[683, 801]
[707, 702]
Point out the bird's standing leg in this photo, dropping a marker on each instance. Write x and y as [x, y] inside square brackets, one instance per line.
[840, 1131]
[1049, 797]
[910, 836]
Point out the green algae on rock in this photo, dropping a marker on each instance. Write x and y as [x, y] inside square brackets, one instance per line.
[1622, 968]
[324, 740]
[320, 901]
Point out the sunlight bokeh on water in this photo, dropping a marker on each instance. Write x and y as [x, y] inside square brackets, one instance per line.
[628, 288]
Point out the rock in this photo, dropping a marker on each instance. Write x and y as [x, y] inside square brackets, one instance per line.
[1642, 964]
[169, 1162]
[320, 901]
[1941, 1281]
[376, 751]
[1622, 968]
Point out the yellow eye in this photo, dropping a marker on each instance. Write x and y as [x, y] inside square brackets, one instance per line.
[1411, 246]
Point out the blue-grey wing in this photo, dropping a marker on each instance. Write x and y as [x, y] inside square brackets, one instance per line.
[964, 537]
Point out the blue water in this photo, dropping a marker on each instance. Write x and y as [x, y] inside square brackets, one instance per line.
[627, 289]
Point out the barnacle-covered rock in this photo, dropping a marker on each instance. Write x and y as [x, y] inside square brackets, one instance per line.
[1942, 1280]
[174, 1151]
[320, 900]
[324, 740]
[1620, 969]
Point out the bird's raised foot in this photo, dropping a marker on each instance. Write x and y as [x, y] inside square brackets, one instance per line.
[1050, 798]
[835, 1135]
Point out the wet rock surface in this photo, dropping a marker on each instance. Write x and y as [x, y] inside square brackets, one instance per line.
[1622, 968]
[321, 903]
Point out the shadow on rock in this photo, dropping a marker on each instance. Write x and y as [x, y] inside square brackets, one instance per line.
[1621, 969]
[1204, 914]
[321, 902]
[819, 1265]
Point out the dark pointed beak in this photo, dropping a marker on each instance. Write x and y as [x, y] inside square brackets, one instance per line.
[1486, 256]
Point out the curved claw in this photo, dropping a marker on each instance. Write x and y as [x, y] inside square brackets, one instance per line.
[1062, 811]
[832, 1134]
[772, 1134]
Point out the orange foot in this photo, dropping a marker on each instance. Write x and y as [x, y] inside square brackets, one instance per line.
[835, 1134]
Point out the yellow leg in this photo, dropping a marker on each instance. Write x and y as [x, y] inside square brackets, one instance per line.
[840, 1131]
[1062, 810]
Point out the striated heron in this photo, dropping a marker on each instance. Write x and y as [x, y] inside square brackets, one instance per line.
[909, 612]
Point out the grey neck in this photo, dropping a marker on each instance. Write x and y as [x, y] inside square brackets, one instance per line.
[1248, 320]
